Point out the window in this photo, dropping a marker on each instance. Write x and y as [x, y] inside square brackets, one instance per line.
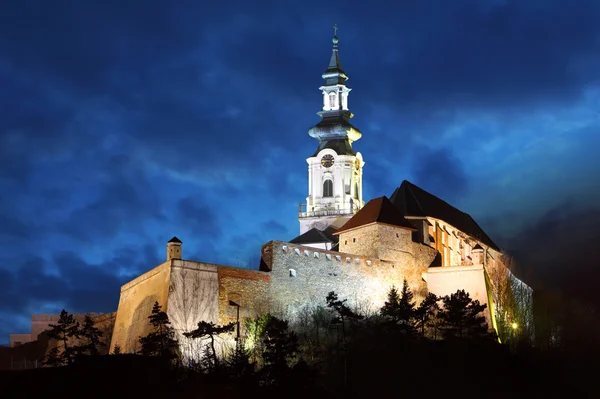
[332, 104]
[356, 190]
[354, 240]
[327, 188]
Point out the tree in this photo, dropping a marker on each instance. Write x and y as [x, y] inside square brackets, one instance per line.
[281, 345]
[463, 316]
[255, 329]
[210, 330]
[400, 309]
[117, 350]
[426, 312]
[343, 312]
[91, 338]
[53, 358]
[65, 329]
[161, 340]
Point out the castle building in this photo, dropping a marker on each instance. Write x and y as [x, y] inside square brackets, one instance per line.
[357, 250]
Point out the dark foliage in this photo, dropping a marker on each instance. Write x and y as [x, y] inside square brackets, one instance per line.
[462, 317]
[90, 337]
[161, 340]
[426, 312]
[210, 330]
[64, 330]
[399, 309]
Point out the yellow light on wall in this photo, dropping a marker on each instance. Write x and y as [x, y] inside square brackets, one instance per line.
[514, 326]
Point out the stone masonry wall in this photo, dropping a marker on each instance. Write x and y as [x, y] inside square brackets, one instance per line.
[247, 288]
[392, 244]
[302, 277]
[135, 305]
[193, 296]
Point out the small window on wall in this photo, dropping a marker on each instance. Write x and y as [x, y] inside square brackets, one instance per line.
[327, 188]
[332, 104]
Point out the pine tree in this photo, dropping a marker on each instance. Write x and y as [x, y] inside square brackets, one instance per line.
[65, 329]
[425, 312]
[91, 338]
[117, 350]
[210, 330]
[391, 305]
[463, 316]
[281, 346]
[161, 340]
[53, 358]
[400, 308]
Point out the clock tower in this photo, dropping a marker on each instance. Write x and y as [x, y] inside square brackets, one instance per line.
[335, 169]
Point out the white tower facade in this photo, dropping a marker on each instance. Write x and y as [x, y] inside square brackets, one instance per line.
[334, 170]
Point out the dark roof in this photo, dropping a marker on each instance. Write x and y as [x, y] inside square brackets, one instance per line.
[315, 235]
[412, 200]
[175, 239]
[335, 74]
[341, 147]
[378, 210]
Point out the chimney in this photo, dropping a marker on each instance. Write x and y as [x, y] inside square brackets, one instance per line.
[174, 249]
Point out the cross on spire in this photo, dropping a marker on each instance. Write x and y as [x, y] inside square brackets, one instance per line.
[335, 29]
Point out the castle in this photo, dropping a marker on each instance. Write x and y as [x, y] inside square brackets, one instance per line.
[357, 250]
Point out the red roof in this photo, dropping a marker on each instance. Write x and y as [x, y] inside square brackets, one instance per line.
[378, 210]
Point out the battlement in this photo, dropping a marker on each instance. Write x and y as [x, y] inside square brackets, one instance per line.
[290, 249]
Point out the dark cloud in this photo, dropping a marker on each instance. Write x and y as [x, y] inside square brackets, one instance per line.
[559, 251]
[441, 172]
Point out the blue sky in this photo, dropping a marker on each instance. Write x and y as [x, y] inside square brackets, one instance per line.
[123, 123]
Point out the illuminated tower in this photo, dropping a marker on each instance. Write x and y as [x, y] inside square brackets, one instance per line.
[334, 170]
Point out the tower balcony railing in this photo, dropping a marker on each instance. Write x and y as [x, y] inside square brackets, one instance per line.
[303, 212]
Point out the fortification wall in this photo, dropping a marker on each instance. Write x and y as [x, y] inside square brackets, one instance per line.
[393, 245]
[303, 276]
[135, 305]
[193, 296]
[247, 288]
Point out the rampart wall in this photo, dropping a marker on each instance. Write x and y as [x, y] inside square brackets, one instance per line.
[303, 276]
[135, 305]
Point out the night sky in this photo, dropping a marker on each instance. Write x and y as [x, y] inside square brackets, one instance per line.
[125, 123]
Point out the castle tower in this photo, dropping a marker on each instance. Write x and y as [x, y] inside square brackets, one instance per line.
[174, 248]
[334, 170]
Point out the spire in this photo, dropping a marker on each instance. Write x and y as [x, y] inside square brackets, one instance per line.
[334, 73]
[335, 130]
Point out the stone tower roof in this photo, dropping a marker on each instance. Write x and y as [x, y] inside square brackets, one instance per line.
[378, 210]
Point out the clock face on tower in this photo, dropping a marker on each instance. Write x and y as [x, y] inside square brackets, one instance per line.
[327, 160]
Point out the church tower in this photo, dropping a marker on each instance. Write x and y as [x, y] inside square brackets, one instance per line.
[334, 170]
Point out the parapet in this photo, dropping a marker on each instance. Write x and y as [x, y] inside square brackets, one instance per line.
[309, 252]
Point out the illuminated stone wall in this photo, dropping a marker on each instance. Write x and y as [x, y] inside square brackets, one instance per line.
[302, 277]
[189, 292]
[392, 245]
[135, 305]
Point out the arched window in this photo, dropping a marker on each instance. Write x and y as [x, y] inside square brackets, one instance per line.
[332, 103]
[327, 188]
[356, 190]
